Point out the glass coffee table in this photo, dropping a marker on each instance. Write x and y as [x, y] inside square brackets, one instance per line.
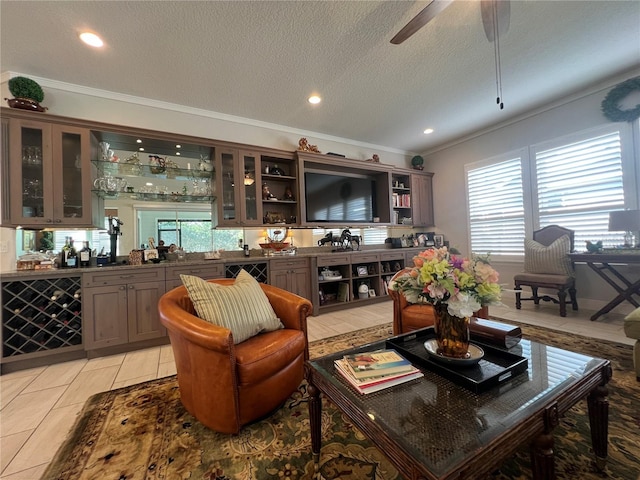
[436, 428]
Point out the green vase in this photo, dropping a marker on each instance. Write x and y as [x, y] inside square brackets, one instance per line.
[452, 333]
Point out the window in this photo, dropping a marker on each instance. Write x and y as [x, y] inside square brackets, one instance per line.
[574, 182]
[496, 206]
[578, 184]
[191, 235]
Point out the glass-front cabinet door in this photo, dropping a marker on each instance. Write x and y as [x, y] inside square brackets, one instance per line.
[228, 205]
[239, 203]
[251, 199]
[50, 175]
[31, 168]
[72, 184]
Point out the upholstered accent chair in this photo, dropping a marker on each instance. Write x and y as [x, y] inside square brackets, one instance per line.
[547, 266]
[413, 316]
[224, 384]
[408, 316]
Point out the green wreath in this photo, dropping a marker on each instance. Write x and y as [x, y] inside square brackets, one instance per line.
[611, 103]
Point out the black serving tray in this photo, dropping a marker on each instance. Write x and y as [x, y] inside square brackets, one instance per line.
[496, 367]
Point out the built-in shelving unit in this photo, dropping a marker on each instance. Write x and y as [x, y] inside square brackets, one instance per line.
[339, 277]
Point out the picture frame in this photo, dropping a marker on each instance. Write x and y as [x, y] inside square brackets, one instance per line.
[362, 270]
[28, 240]
[438, 240]
[372, 292]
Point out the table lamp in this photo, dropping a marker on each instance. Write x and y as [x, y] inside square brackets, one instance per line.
[627, 221]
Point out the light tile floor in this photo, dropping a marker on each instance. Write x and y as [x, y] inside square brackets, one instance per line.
[38, 406]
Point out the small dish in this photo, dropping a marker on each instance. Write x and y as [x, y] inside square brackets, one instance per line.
[474, 355]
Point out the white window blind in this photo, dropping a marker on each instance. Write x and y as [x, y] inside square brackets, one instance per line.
[496, 207]
[578, 184]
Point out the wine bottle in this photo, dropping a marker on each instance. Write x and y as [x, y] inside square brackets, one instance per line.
[64, 253]
[77, 293]
[72, 259]
[57, 295]
[85, 255]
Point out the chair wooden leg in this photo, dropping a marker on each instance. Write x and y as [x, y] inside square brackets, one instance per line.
[562, 297]
[574, 299]
[536, 298]
[518, 291]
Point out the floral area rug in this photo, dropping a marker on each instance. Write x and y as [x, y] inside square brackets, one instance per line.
[143, 432]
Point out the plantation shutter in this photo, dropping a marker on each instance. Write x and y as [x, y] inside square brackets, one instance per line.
[496, 207]
[578, 184]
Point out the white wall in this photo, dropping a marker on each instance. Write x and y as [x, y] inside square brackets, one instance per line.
[581, 113]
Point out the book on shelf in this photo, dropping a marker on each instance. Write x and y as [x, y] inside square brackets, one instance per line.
[375, 384]
[376, 363]
[343, 292]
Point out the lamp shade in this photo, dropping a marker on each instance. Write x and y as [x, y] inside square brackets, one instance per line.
[624, 221]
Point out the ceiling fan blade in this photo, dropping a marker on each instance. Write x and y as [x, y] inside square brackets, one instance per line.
[503, 17]
[427, 14]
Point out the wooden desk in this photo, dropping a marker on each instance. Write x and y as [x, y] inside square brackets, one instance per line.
[604, 264]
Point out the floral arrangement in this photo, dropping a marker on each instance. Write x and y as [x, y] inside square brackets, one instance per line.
[440, 277]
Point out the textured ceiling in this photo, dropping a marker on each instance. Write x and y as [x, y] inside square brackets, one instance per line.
[262, 59]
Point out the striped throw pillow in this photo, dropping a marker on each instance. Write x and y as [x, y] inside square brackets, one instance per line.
[242, 307]
[553, 259]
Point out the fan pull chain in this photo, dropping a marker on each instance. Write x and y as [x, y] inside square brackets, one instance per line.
[496, 54]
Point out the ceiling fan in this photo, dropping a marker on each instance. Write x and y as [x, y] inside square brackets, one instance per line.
[495, 18]
[495, 14]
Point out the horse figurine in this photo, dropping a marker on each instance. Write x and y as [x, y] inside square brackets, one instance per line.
[347, 240]
[328, 238]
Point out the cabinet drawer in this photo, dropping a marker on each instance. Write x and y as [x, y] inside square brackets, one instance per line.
[334, 260]
[207, 271]
[367, 258]
[122, 275]
[386, 257]
[289, 263]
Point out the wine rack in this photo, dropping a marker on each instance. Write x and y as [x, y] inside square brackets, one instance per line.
[41, 315]
[257, 270]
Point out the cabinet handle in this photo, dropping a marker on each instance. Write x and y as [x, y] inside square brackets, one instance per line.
[58, 221]
[122, 288]
[195, 271]
[131, 287]
[126, 276]
[49, 220]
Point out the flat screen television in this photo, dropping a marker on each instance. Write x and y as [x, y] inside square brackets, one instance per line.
[343, 199]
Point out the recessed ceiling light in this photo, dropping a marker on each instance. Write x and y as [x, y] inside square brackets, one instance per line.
[138, 141]
[428, 131]
[141, 149]
[178, 146]
[177, 153]
[314, 99]
[91, 39]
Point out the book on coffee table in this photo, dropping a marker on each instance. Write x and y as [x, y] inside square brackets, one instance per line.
[496, 333]
[375, 384]
[376, 363]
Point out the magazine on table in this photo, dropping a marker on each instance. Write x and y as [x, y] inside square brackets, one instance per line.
[376, 384]
[376, 363]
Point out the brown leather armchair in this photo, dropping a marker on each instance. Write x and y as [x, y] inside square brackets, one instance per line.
[226, 386]
[408, 316]
[412, 316]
